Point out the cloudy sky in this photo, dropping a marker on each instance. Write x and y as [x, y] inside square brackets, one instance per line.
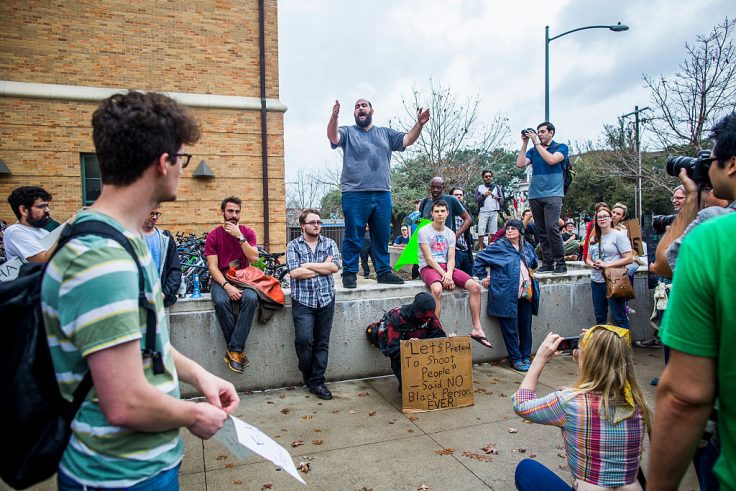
[380, 49]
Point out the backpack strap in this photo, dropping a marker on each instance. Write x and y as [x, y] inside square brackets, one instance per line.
[101, 229]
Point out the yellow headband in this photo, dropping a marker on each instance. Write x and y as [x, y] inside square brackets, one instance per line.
[622, 332]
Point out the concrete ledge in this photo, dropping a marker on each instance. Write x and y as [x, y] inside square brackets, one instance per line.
[566, 307]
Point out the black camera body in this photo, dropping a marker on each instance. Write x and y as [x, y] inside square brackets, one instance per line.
[527, 130]
[696, 167]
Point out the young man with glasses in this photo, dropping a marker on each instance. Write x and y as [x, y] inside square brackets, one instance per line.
[312, 259]
[163, 250]
[23, 239]
[126, 435]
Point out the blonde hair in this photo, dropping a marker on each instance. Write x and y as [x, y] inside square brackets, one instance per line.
[607, 367]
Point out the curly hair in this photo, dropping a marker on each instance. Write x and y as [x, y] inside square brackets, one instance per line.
[131, 131]
[26, 196]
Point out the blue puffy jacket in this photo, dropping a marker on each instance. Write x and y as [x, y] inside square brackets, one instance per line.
[503, 259]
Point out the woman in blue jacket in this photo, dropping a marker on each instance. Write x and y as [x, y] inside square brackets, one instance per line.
[513, 292]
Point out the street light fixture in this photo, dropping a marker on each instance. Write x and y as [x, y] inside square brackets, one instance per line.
[615, 28]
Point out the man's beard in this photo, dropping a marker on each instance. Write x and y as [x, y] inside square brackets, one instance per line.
[40, 223]
[364, 123]
[311, 234]
[234, 221]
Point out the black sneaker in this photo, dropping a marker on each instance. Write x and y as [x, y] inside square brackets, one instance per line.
[350, 280]
[545, 269]
[649, 343]
[389, 278]
[560, 269]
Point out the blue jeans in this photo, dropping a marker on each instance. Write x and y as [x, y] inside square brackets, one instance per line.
[163, 481]
[235, 328]
[312, 328]
[517, 333]
[601, 304]
[530, 475]
[464, 261]
[373, 208]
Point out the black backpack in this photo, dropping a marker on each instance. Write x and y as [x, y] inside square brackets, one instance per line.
[36, 418]
[568, 172]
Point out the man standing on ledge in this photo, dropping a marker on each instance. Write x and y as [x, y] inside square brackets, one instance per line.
[546, 191]
[366, 185]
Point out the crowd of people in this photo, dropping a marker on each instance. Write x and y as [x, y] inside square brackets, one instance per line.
[90, 296]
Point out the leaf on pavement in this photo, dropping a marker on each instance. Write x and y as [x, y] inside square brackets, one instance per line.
[297, 443]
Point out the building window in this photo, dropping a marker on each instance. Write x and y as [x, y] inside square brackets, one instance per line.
[91, 178]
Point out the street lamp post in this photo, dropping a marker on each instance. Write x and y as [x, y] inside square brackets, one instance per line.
[615, 28]
[638, 201]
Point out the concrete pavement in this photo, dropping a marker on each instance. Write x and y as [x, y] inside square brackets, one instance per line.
[362, 440]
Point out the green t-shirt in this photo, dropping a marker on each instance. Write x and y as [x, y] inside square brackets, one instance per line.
[90, 303]
[700, 320]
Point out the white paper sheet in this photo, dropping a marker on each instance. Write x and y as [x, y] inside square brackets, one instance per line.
[241, 439]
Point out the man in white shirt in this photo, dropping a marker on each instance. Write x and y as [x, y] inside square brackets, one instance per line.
[23, 239]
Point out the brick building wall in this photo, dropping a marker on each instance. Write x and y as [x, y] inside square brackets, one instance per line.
[206, 47]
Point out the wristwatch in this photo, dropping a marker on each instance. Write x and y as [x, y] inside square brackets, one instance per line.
[241, 239]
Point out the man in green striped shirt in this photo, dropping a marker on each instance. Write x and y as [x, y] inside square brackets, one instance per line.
[126, 434]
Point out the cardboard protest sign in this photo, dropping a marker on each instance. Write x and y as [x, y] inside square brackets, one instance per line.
[634, 231]
[436, 374]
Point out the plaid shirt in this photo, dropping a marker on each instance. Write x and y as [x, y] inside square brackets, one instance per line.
[318, 291]
[598, 451]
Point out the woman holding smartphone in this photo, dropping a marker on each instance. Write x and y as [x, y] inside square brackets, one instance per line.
[603, 417]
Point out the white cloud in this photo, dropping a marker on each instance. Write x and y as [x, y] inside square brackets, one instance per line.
[332, 49]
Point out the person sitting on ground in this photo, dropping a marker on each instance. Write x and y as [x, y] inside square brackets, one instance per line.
[513, 293]
[437, 267]
[403, 239]
[603, 417]
[570, 241]
[416, 320]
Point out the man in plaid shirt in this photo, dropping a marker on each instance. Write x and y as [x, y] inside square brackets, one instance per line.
[312, 260]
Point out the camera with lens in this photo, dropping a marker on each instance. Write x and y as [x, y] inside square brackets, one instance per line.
[696, 167]
[661, 222]
[526, 131]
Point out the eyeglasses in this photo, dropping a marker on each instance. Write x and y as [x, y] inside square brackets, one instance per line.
[185, 158]
[314, 223]
[603, 217]
[156, 214]
[44, 206]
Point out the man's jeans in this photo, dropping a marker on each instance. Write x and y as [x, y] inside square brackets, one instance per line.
[234, 327]
[312, 328]
[601, 304]
[163, 481]
[373, 208]
[517, 333]
[546, 213]
[464, 261]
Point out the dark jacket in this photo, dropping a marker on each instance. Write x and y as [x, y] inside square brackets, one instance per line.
[401, 328]
[170, 271]
[503, 259]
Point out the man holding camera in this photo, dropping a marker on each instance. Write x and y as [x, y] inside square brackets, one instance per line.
[546, 191]
[700, 322]
[489, 197]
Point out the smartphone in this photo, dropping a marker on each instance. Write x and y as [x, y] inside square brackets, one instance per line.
[568, 345]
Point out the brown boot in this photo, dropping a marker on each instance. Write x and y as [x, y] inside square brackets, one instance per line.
[236, 361]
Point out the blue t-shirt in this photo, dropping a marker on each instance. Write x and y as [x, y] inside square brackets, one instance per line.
[367, 157]
[399, 240]
[546, 179]
[154, 246]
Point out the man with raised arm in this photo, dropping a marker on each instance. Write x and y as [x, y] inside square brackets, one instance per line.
[126, 433]
[366, 185]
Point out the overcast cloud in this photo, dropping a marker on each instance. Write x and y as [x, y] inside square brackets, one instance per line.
[332, 49]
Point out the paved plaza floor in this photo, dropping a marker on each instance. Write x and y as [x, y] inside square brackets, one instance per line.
[361, 440]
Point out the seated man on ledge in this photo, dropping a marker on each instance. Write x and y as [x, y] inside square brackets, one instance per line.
[227, 243]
